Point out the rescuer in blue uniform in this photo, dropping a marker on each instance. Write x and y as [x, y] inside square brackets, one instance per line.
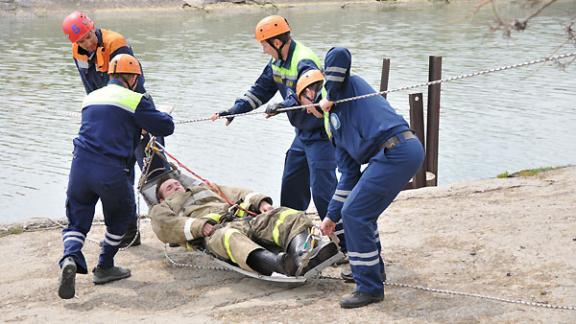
[310, 162]
[364, 131]
[102, 168]
[92, 50]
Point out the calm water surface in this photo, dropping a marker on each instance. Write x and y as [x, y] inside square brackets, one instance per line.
[200, 63]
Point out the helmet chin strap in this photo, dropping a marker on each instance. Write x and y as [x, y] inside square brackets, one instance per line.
[278, 49]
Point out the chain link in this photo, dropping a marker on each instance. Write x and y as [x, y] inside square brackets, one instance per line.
[405, 88]
[460, 293]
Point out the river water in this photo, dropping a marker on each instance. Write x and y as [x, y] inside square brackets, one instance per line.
[200, 62]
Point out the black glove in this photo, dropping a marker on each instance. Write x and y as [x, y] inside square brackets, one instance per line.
[224, 113]
[272, 109]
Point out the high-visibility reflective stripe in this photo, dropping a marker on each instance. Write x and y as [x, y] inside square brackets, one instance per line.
[364, 263]
[74, 233]
[327, 124]
[213, 216]
[83, 64]
[334, 78]
[113, 95]
[336, 69]
[188, 229]
[300, 53]
[250, 95]
[114, 237]
[342, 192]
[227, 236]
[250, 101]
[338, 198]
[339, 232]
[240, 211]
[280, 221]
[363, 255]
[72, 238]
[112, 243]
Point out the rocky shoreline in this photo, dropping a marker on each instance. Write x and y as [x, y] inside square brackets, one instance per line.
[58, 7]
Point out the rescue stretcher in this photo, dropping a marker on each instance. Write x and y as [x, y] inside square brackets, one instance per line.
[148, 192]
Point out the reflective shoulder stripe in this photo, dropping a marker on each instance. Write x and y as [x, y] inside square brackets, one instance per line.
[336, 69]
[227, 236]
[188, 229]
[114, 95]
[280, 221]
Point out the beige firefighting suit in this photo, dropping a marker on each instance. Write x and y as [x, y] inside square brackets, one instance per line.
[181, 218]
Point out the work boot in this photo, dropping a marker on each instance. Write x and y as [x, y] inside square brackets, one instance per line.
[132, 234]
[323, 251]
[266, 262]
[67, 284]
[346, 274]
[360, 299]
[102, 276]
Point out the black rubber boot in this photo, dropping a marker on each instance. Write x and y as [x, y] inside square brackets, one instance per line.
[346, 274]
[102, 276]
[322, 252]
[266, 262]
[360, 299]
[67, 285]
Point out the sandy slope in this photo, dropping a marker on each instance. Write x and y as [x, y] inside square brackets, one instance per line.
[512, 238]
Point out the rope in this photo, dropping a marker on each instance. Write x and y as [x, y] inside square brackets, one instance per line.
[405, 88]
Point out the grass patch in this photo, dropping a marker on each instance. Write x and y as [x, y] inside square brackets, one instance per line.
[527, 172]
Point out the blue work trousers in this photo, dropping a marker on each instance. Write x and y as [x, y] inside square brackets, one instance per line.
[90, 180]
[310, 166]
[387, 174]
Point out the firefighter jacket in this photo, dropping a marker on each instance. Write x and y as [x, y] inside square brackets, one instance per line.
[93, 67]
[182, 216]
[282, 76]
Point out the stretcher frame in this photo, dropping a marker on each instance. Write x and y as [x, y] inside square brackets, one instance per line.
[148, 193]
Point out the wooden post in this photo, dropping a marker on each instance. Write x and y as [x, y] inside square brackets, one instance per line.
[385, 75]
[417, 124]
[433, 122]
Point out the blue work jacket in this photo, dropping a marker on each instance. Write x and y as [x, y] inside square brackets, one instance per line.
[358, 128]
[282, 76]
[112, 120]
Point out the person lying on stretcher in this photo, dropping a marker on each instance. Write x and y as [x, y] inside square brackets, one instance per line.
[237, 233]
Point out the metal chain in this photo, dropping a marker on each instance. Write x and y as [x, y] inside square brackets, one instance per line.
[189, 265]
[405, 88]
[460, 293]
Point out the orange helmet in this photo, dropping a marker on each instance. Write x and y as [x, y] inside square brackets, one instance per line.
[76, 25]
[124, 63]
[271, 26]
[307, 79]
